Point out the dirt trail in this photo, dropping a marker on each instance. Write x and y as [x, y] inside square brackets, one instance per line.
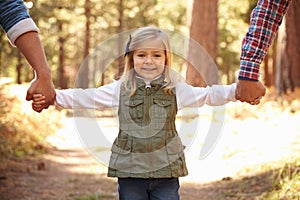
[68, 172]
[71, 173]
[60, 174]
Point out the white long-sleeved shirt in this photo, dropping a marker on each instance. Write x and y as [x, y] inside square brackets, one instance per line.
[107, 96]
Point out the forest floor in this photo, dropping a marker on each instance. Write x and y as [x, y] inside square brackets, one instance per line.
[71, 174]
[69, 171]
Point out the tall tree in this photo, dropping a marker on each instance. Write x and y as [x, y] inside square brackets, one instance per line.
[18, 68]
[62, 80]
[203, 30]
[84, 76]
[287, 69]
[120, 64]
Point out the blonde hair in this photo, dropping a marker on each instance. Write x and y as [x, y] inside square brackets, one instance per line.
[138, 37]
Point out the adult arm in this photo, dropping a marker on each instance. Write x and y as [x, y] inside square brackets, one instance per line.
[30, 45]
[265, 20]
[23, 33]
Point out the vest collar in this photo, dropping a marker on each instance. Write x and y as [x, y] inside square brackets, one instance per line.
[159, 81]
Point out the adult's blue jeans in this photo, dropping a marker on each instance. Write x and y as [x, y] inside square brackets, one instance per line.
[148, 189]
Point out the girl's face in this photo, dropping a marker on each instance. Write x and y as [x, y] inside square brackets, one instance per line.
[149, 59]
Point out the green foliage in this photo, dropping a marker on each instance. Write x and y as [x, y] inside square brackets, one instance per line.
[251, 6]
[285, 184]
[232, 28]
[22, 131]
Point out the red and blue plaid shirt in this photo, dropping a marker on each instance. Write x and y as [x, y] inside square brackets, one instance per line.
[265, 20]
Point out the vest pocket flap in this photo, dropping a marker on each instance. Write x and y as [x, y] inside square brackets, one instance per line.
[116, 149]
[162, 103]
[133, 103]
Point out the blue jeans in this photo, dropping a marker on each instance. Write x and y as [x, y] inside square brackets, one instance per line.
[148, 189]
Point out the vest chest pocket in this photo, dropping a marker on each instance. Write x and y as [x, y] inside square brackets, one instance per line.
[161, 108]
[134, 108]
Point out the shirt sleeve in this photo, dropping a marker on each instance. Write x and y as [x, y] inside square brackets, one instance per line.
[93, 98]
[15, 19]
[265, 20]
[24, 26]
[215, 95]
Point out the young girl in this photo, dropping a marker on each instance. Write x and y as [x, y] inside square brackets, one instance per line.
[147, 155]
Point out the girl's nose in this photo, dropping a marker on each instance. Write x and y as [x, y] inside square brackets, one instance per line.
[148, 59]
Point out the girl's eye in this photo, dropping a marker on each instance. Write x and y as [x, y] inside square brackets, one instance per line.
[141, 55]
[157, 55]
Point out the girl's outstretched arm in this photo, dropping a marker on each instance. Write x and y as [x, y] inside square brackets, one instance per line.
[106, 96]
[215, 95]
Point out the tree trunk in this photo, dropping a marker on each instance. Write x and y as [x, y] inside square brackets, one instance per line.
[19, 67]
[83, 79]
[120, 60]
[62, 80]
[288, 70]
[1, 68]
[293, 43]
[274, 60]
[203, 30]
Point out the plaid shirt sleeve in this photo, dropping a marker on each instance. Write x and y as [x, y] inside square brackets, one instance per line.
[266, 17]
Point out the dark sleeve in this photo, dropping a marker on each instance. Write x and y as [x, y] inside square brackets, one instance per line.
[11, 12]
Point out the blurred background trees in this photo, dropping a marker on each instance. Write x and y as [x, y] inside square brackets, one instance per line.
[70, 30]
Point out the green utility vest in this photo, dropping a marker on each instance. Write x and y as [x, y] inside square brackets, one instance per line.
[148, 145]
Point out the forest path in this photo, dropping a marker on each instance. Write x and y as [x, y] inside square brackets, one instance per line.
[69, 172]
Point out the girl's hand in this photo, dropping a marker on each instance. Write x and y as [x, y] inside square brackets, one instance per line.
[38, 101]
